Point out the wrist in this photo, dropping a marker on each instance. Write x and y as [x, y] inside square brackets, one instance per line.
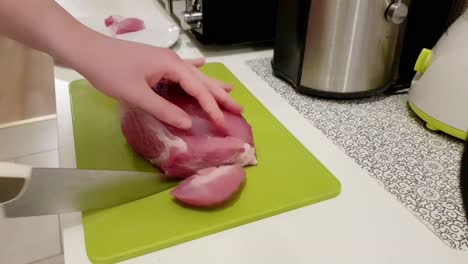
[66, 39]
[73, 47]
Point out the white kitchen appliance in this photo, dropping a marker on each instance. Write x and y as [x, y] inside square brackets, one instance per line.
[439, 91]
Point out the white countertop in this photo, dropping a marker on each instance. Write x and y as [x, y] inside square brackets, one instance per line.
[364, 224]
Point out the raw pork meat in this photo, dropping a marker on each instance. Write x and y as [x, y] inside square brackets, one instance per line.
[121, 25]
[210, 187]
[113, 20]
[183, 153]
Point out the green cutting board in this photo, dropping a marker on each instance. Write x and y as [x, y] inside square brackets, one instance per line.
[287, 176]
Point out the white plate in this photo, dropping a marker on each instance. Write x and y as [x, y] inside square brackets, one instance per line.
[158, 32]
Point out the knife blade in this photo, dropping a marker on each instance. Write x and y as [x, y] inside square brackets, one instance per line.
[28, 191]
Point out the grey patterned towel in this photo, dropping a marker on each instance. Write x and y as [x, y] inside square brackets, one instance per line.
[419, 167]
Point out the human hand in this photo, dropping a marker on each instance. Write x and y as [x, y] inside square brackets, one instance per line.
[121, 69]
[126, 71]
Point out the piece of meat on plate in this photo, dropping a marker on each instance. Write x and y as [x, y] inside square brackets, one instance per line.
[113, 20]
[121, 25]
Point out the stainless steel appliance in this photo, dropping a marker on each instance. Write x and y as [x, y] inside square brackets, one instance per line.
[339, 48]
[225, 22]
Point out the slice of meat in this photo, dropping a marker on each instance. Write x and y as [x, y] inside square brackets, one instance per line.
[181, 153]
[121, 25]
[113, 20]
[129, 25]
[210, 187]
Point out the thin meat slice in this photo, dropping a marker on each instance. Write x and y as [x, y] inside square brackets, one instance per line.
[120, 25]
[129, 25]
[113, 20]
[210, 187]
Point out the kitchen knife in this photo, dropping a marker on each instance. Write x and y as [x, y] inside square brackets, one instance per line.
[28, 191]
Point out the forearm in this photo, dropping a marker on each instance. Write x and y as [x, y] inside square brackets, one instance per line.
[44, 25]
[124, 70]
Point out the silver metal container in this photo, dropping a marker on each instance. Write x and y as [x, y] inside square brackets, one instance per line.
[347, 48]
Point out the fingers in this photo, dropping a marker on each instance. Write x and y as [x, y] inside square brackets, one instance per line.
[161, 109]
[226, 86]
[196, 62]
[196, 88]
[213, 82]
[221, 96]
[200, 62]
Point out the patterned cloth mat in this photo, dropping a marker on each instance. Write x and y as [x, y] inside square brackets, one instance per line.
[419, 167]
